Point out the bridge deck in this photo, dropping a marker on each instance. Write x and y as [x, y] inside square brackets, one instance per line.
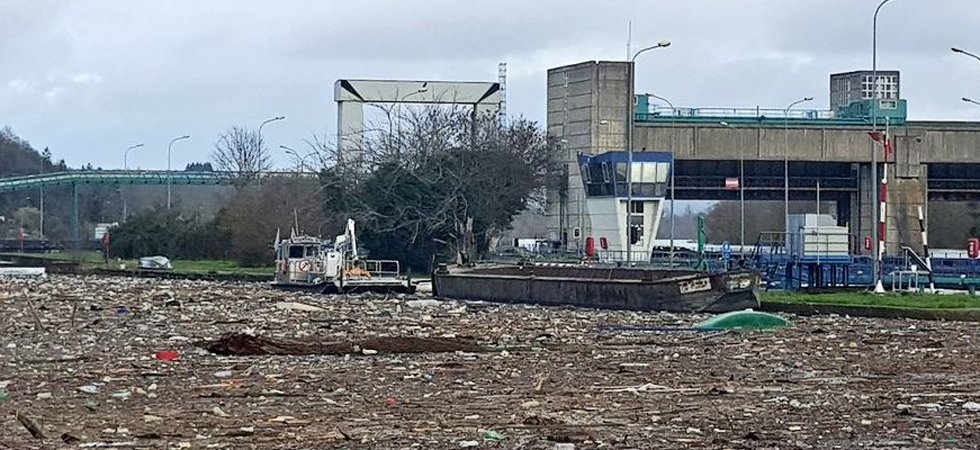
[150, 177]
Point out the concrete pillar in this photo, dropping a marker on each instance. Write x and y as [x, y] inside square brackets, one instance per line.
[861, 218]
[587, 106]
[350, 130]
[905, 197]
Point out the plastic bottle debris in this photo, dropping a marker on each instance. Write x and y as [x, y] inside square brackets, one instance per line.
[971, 406]
[492, 435]
[4, 395]
[89, 389]
[167, 355]
[468, 444]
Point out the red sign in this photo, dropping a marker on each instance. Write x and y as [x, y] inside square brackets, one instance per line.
[731, 184]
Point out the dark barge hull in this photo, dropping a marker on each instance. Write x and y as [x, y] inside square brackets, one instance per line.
[608, 288]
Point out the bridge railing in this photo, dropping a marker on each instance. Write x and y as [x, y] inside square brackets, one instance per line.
[771, 113]
[141, 177]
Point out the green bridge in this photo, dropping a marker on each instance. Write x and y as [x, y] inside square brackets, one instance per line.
[139, 177]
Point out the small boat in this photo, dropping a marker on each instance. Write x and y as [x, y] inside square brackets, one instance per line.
[308, 263]
[602, 287]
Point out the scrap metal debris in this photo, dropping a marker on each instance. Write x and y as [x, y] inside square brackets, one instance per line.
[113, 363]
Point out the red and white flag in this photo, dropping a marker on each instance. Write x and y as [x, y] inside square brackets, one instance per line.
[882, 138]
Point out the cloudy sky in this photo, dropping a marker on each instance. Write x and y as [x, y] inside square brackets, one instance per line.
[89, 78]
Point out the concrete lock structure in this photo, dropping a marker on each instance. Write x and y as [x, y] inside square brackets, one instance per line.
[352, 95]
[827, 155]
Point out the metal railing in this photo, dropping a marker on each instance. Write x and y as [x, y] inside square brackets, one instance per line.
[376, 268]
[176, 177]
[769, 113]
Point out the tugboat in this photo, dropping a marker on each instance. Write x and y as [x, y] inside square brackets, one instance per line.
[311, 264]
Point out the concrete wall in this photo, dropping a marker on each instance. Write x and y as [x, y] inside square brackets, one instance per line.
[916, 143]
[586, 114]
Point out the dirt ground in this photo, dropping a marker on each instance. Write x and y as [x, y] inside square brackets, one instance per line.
[79, 361]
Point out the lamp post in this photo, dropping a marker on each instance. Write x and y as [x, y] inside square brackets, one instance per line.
[126, 168]
[423, 89]
[629, 145]
[971, 101]
[169, 172]
[40, 225]
[786, 164]
[673, 115]
[258, 159]
[741, 190]
[301, 159]
[876, 253]
[959, 50]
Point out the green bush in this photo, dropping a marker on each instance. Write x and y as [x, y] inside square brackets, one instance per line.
[168, 233]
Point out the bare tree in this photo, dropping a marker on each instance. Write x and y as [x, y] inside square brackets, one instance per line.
[441, 175]
[241, 151]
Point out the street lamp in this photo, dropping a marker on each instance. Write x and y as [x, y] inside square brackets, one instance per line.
[126, 168]
[958, 50]
[169, 173]
[301, 159]
[673, 162]
[876, 253]
[629, 145]
[741, 189]
[258, 158]
[421, 90]
[786, 167]
[971, 101]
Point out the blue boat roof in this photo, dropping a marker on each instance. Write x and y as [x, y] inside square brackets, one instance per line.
[616, 156]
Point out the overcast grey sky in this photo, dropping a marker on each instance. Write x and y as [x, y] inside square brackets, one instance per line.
[89, 78]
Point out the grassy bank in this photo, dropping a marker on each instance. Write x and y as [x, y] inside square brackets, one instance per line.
[913, 301]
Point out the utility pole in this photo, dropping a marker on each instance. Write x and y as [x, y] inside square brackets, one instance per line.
[258, 158]
[673, 162]
[126, 168]
[170, 173]
[786, 166]
[631, 79]
[878, 248]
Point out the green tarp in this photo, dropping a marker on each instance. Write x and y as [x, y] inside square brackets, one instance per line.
[748, 319]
